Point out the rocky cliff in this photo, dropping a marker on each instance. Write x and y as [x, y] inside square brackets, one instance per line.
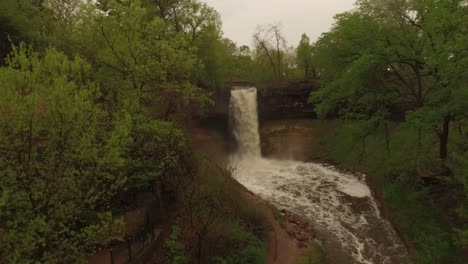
[287, 101]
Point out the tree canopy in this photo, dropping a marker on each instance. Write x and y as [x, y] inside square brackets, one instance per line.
[387, 53]
[91, 112]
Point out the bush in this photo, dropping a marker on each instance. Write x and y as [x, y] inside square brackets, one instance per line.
[60, 167]
[174, 248]
[244, 246]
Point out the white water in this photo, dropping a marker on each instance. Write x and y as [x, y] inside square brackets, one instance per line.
[244, 120]
[339, 205]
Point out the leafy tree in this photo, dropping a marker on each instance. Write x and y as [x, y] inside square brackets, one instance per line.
[197, 17]
[175, 250]
[201, 26]
[19, 21]
[60, 166]
[139, 62]
[389, 54]
[304, 56]
[216, 55]
[271, 44]
[353, 68]
[78, 134]
[407, 56]
[185, 16]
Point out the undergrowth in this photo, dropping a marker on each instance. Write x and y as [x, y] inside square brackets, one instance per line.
[402, 166]
[217, 225]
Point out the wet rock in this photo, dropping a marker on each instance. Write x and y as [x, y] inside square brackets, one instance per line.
[301, 245]
[302, 238]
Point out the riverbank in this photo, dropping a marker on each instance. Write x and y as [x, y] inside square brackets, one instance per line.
[293, 146]
[422, 216]
[290, 238]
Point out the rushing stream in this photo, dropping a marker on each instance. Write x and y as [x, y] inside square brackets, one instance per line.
[339, 205]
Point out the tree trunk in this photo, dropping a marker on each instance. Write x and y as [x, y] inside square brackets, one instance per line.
[314, 72]
[387, 137]
[444, 136]
[200, 247]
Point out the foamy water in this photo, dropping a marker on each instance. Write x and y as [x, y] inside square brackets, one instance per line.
[339, 205]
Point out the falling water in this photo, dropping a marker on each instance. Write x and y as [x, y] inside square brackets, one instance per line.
[244, 119]
[339, 205]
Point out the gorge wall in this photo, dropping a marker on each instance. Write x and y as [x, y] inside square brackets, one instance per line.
[275, 102]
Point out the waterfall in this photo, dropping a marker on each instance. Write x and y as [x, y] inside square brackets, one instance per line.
[244, 120]
[340, 206]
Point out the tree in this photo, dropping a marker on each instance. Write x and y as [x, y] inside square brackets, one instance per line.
[198, 17]
[354, 69]
[388, 53]
[200, 24]
[216, 55]
[290, 62]
[434, 28]
[166, 9]
[63, 10]
[243, 64]
[185, 16]
[304, 56]
[410, 56]
[60, 166]
[19, 21]
[138, 59]
[270, 41]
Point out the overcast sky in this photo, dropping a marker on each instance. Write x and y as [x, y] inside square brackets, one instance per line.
[313, 17]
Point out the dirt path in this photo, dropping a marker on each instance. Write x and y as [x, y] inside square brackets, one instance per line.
[284, 247]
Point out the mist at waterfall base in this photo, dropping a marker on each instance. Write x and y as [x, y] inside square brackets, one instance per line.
[339, 206]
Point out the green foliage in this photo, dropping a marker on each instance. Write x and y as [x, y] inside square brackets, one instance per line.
[216, 54]
[394, 173]
[460, 168]
[434, 242]
[222, 227]
[244, 245]
[157, 151]
[175, 250]
[403, 60]
[162, 57]
[304, 55]
[410, 55]
[19, 21]
[77, 135]
[60, 168]
[139, 62]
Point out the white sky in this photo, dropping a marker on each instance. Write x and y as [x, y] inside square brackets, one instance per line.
[313, 17]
